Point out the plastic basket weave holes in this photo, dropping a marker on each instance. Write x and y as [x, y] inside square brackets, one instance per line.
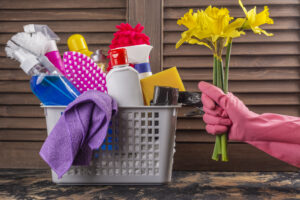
[130, 148]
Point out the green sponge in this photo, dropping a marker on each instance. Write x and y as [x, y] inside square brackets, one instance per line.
[166, 78]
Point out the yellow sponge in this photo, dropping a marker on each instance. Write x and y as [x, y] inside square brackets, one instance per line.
[166, 78]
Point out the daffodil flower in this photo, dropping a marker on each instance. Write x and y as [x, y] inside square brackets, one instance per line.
[215, 28]
[255, 20]
[209, 27]
[195, 23]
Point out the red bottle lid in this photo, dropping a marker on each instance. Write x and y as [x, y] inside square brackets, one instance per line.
[118, 57]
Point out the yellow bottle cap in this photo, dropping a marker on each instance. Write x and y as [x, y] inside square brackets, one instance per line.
[76, 42]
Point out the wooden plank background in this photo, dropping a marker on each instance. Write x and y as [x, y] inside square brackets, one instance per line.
[264, 72]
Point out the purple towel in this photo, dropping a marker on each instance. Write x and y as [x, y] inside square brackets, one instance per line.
[81, 129]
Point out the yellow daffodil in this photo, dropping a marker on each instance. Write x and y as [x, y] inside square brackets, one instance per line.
[253, 20]
[220, 25]
[194, 25]
[189, 19]
[210, 27]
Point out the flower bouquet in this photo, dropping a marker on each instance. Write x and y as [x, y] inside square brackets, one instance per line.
[215, 29]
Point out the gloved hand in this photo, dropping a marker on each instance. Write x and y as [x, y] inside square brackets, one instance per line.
[277, 135]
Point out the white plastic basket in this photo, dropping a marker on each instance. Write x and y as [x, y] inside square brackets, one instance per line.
[138, 149]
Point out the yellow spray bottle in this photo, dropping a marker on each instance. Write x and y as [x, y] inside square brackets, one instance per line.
[76, 42]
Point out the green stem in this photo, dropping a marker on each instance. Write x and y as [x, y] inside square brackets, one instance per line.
[223, 137]
[220, 147]
[227, 61]
[220, 84]
[217, 147]
[224, 147]
[225, 89]
[215, 71]
[219, 74]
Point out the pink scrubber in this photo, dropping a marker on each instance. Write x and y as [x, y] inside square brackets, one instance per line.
[83, 72]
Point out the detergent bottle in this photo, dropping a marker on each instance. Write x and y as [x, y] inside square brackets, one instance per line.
[122, 81]
[138, 55]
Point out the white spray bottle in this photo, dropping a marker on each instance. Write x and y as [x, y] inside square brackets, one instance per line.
[122, 81]
[51, 50]
[139, 56]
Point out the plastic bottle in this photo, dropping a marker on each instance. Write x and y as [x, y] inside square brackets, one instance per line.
[99, 58]
[122, 81]
[76, 42]
[53, 89]
[139, 56]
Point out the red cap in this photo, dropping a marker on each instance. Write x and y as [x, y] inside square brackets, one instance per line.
[118, 57]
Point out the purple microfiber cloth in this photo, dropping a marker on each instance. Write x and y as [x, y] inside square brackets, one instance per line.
[81, 129]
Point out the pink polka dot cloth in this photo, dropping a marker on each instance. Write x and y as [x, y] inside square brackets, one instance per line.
[83, 72]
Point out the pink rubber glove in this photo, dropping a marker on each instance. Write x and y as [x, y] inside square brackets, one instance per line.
[277, 135]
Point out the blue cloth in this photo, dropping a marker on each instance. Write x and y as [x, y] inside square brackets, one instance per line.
[81, 129]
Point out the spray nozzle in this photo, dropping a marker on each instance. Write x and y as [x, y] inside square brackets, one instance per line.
[33, 28]
[138, 53]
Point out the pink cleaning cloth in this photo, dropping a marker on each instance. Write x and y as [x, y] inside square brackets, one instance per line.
[277, 135]
[83, 72]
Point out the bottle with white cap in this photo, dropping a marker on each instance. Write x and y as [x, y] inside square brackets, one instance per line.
[138, 55]
[122, 81]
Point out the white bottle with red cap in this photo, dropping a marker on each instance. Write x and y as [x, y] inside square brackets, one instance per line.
[122, 81]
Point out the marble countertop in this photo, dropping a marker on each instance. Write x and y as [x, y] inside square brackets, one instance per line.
[36, 184]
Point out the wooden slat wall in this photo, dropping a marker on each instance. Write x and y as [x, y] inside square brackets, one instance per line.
[264, 86]
[22, 123]
[264, 73]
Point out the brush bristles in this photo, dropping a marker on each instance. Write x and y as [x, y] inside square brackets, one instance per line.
[9, 52]
[36, 43]
[10, 49]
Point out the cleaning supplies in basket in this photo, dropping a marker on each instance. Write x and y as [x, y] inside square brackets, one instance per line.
[81, 129]
[46, 82]
[83, 72]
[123, 82]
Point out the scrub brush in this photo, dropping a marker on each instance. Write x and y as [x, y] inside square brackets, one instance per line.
[83, 72]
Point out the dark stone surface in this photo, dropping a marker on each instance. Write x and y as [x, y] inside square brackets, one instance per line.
[36, 184]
